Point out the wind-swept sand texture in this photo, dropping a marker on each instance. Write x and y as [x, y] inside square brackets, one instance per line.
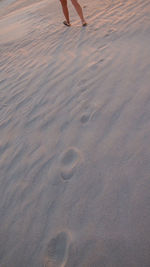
[75, 135]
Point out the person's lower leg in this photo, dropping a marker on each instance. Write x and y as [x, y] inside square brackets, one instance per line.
[79, 10]
[65, 10]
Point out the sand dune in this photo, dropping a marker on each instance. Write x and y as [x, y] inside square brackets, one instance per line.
[74, 135]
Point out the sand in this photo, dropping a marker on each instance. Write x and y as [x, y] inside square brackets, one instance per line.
[75, 135]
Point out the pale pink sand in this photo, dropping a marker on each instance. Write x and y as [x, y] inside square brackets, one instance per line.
[75, 135]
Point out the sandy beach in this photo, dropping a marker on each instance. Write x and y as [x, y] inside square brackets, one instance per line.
[75, 134]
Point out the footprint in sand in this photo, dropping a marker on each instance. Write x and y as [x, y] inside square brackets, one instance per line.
[106, 35]
[69, 161]
[82, 82]
[85, 118]
[57, 250]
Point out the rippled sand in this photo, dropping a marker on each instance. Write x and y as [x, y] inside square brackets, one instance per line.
[75, 135]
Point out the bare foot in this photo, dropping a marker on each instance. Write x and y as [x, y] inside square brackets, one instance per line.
[84, 24]
[66, 23]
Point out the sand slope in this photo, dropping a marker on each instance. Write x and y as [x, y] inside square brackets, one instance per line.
[75, 135]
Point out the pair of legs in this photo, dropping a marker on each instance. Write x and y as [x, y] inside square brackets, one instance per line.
[77, 8]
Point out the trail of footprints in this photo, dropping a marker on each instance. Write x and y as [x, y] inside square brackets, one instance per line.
[72, 157]
[58, 247]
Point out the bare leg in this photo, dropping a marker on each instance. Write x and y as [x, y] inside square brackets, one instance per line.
[79, 10]
[65, 10]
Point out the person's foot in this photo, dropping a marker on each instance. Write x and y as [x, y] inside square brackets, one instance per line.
[84, 24]
[66, 23]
